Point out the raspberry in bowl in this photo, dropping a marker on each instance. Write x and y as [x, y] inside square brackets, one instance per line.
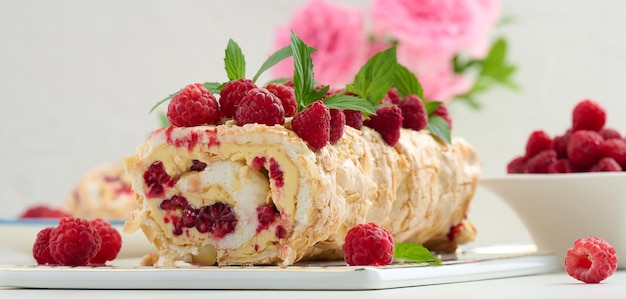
[571, 185]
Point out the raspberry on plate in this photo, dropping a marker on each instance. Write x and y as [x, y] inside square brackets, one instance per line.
[193, 106]
[387, 122]
[260, 106]
[232, 93]
[368, 245]
[74, 242]
[41, 248]
[591, 260]
[313, 124]
[43, 211]
[588, 115]
[111, 241]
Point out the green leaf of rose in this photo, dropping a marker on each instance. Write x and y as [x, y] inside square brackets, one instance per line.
[375, 78]
[234, 61]
[407, 83]
[415, 253]
[439, 128]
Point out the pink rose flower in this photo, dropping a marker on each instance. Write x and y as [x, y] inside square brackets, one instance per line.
[429, 33]
[436, 29]
[338, 34]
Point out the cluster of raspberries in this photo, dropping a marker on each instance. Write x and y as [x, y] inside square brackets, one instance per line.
[77, 242]
[588, 146]
[245, 102]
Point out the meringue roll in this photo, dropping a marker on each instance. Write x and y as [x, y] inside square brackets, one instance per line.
[258, 195]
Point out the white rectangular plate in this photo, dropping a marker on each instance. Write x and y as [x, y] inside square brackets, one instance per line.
[466, 266]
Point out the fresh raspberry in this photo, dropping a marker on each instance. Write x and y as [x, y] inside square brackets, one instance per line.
[538, 141]
[442, 111]
[337, 122]
[591, 260]
[561, 166]
[606, 164]
[41, 248]
[313, 124]
[516, 165]
[368, 245]
[43, 211]
[387, 122]
[111, 241]
[193, 106]
[608, 133]
[74, 242]
[559, 143]
[232, 93]
[260, 106]
[414, 113]
[354, 118]
[616, 149]
[540, 162]
[584, 149]
[287, 97]
[588, 115]
[392, 97]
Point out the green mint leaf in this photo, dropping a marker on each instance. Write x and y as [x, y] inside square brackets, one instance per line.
[279, 80]
[234, 61]
[169, 97]
[415, 253]
[340, 101]
[163, 120]
[439, 128]
[407, 83]
[375, 78]
[213, 87]
[303, 78]
[271, 61]
[315, 94]
[431, 106]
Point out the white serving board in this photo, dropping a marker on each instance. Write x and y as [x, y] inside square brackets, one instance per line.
[467, 266]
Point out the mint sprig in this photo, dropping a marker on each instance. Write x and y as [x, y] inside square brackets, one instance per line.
[407, 83]
[304, 83]
[235, 66]
[234, 61]
[375, 77]
[439, 128]
[415, 253]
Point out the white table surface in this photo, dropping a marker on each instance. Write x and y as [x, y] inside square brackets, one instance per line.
[551, 285]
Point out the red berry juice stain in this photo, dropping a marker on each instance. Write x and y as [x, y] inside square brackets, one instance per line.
[156, 179]
[258, 162]
[265, 216]
[276, 173]
[281, 232]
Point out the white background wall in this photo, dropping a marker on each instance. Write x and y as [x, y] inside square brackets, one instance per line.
[77, 79]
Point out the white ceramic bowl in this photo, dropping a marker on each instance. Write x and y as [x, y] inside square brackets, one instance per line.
[20, 235]
[558, 209]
